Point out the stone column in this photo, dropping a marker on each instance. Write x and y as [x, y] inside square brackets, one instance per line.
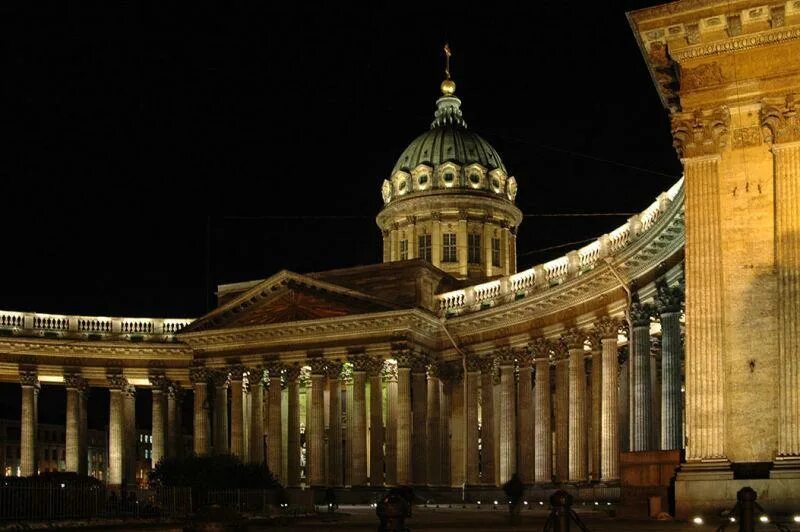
[335, 467]
[199, 378]
[641, 403]
[28, 423]
[472, 390]
[130, 458]
[74, 385]
[488, 438]
[83, 431]
[358, 449]
[655, 392]
[562, 412]
[220, 380]
[247, 416]
[446, 396]
[543, 435]
[596, 399]
[525, 419]
[419, 416]
[508, 424]
[577, 406]
[347, 382]
[405, 359]
[374, 372]
[700, 138]
[315, 425]
[390, 379]
[160, 386]
[117, 385]
[624, 399]
[461, 242]
[256, 380]
[606, 329]
[173, 425]
[457, 433]
[781, 122]
[436, 239]
[274, 425]
[237, 411]
[293, 427]
[668, 304]
[434, 439]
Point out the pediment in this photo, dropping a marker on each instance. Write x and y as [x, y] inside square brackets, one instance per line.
[289, 297]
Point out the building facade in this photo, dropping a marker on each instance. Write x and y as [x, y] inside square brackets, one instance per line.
[446, 367]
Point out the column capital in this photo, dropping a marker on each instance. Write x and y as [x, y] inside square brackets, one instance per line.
[130, 390]
[236, 372]
[333, 369]
[505, 356]
[74, 381]
[199, 374]
[374, 366]
[607, 327]
[540, 347]
[487, 365]
[292, 372]
[256, 376]
[474, 364]
[274, 369]
[359, 362]
[640, 314]
[669, 299]
[318, 365]
[159, 382]
[524, 356]
[220, 378]
[29, 378]
[117, 381]
[701, 133]
[779, 120]
[573, 338]
[451, 372]
[389, 373]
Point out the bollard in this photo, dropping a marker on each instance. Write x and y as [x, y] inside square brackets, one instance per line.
[561, 502]
[746, 499]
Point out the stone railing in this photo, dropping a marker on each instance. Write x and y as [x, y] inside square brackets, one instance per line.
[88, 327]
[556, 271]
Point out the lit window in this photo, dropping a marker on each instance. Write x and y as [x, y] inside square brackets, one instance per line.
[449, 251]
[425, 247]
[404, 250]
[448, 179]
[495, 252]
[474, 249]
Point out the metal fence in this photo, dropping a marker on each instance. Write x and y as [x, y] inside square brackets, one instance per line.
[25, 503]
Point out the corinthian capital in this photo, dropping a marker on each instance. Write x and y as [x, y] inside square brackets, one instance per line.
[779, 121]
[573, 338]
[607, 327]
[668, 299]
[700, 133]
[640, 314]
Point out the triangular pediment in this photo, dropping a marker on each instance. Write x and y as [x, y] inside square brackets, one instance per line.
[289, 297]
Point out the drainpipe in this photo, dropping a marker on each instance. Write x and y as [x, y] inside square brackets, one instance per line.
[627, 293]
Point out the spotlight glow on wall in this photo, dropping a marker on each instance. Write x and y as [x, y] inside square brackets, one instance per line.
[697, 520]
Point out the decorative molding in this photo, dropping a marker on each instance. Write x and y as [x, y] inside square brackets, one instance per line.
[701, 76]
[739, 43]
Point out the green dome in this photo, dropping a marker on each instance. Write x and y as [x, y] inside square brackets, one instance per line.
[448, 143]
[449, 140]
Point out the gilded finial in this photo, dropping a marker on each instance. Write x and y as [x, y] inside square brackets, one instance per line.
[448, 85]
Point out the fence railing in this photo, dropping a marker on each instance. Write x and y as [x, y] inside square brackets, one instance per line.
[25, 503]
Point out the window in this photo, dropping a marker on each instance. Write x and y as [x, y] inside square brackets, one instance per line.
[495, 252]
[425, 247]
[449, 252]
[474, 249]
[404, 250]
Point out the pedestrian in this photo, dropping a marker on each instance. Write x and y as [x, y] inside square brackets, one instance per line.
[514, 490]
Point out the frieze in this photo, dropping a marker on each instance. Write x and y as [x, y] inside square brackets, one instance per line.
[701, 76]
[744, 137]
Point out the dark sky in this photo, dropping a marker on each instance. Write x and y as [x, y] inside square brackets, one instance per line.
[136, 139]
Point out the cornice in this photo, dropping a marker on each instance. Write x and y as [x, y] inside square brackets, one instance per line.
[736, 44]
[382, 324]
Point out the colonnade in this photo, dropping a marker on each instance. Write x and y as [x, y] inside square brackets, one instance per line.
[411, 419]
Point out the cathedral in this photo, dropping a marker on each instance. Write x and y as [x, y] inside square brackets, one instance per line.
[662, 356]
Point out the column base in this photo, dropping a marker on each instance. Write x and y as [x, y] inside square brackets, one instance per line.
[705, 470]
[785, 467]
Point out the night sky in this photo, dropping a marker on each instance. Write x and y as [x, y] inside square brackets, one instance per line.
[150, 153]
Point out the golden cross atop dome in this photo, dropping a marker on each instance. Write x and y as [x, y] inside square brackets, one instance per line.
[448, 85]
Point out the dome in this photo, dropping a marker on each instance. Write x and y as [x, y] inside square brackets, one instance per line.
[449, 156]
[448, 143]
